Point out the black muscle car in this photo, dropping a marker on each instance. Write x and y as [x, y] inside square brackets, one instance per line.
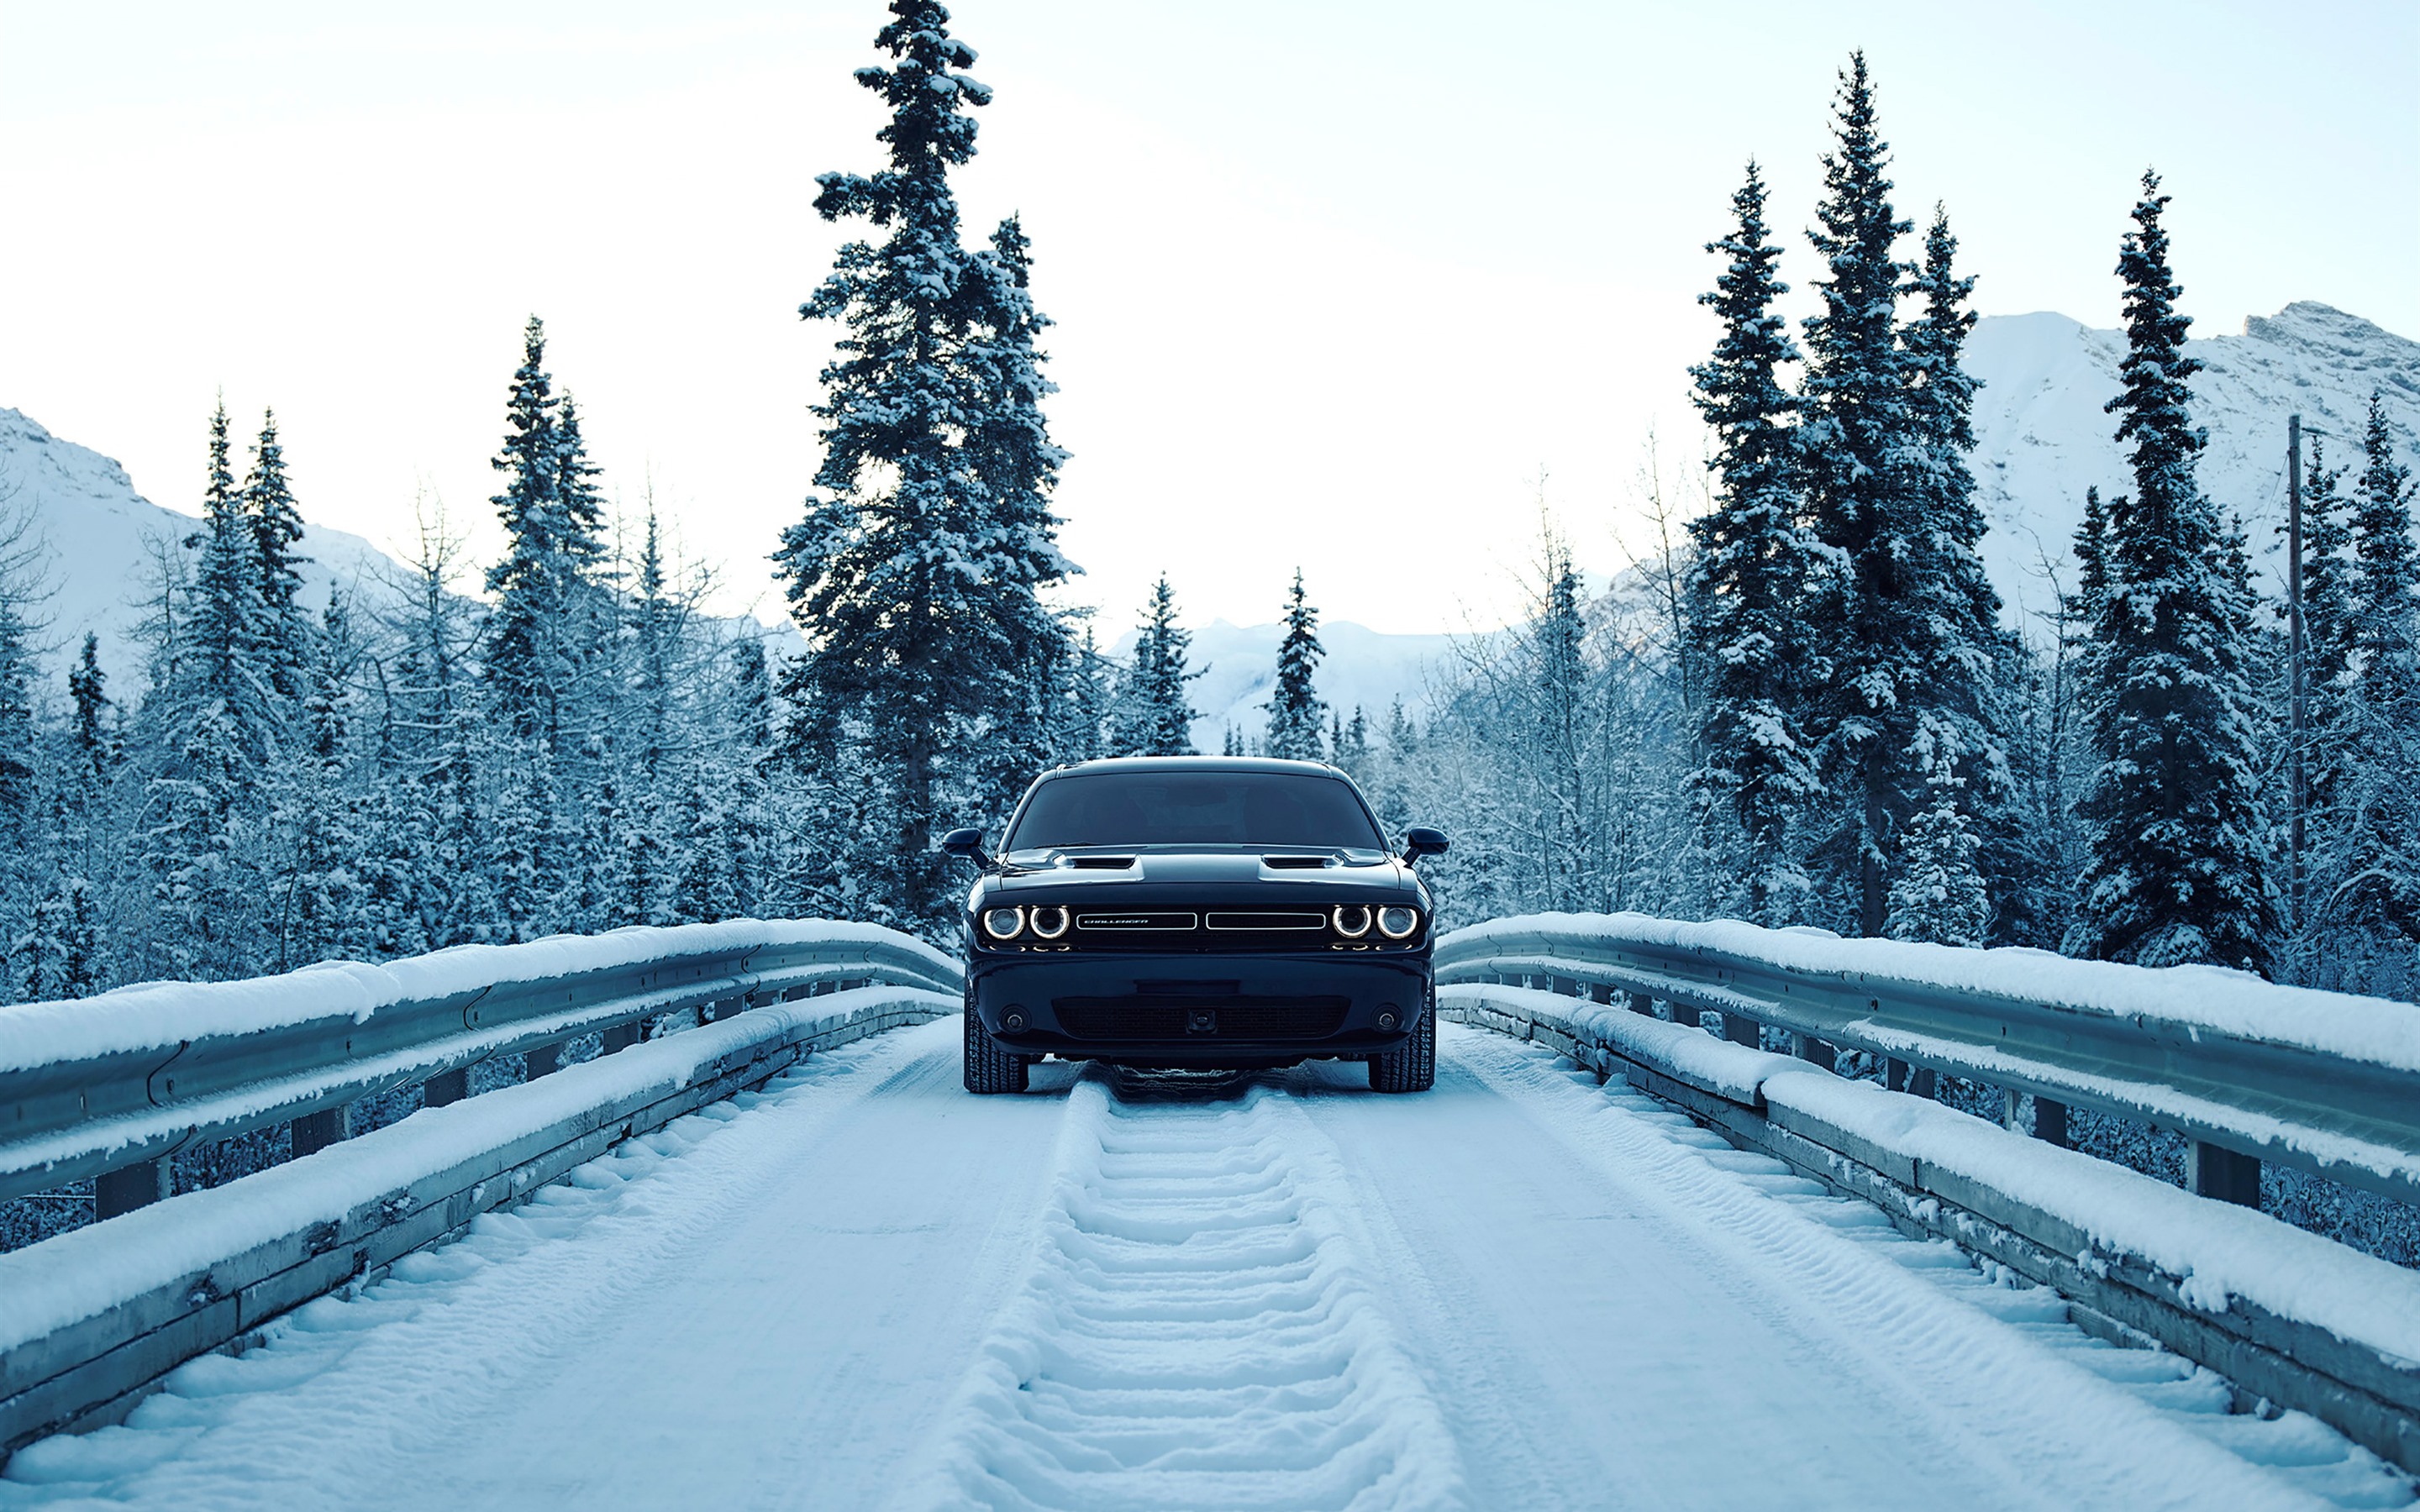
[1186, 911]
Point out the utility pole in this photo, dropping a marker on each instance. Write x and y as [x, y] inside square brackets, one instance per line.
[2294, 654]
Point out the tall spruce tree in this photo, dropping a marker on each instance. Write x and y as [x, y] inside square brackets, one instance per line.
[277, 532]
[914, 572]
[2368, 871]
[1154, 718]
[1752, 574]
[2329, 747]
[2179, 871]
[1294, 705]
[1882, 440]
[1853, 453]
[552, 520]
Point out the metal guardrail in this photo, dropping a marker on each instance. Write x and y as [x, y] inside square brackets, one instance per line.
[2271, 1078]
[109, 1087]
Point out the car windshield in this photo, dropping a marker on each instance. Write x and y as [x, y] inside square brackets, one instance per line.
[1194, 808]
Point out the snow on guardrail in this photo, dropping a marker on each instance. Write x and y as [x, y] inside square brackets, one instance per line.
[156, 1014]
[2247, 1069]
[2239, 1004]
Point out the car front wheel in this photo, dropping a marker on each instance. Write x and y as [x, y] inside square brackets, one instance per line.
[991, 1067]
[1410, 1066]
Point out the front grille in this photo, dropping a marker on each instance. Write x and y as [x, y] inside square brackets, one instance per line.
[1267, 919]
[1165, 1017]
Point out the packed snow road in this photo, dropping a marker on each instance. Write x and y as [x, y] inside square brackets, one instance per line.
[864, 1288]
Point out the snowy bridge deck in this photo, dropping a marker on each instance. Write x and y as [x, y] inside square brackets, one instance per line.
[1538, 1286]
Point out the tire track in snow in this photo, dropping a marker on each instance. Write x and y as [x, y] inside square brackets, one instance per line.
[1196, 1331]
[2053, 1435]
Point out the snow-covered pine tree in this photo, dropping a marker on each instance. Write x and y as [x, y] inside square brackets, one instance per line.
[2366, 871]
[20, 778]
[1856, 446]
[1565, 726]
[748, 726]
[1937, 894]
[1153, 714]
[2384, 588]
[1908, 619]
[2179, 871]
[1294, 705]
[316, 816]
[1010, 451]
[1754, 569]
[64, 954]
[528, 662]
[208, 732]
[95, 745]
[1352, 742]
[1958, 658]
[277, 530]
[914, 572]
[425, 856]
[1085, 709]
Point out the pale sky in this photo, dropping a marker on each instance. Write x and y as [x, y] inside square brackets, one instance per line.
[1334, 282]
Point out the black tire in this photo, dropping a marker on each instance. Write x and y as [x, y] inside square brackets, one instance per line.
[991, 1067]
[1410, 1066]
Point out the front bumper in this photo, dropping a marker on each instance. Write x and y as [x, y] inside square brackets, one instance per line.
[1196, 1010]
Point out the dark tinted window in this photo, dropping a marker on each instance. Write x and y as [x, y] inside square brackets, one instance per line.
[1194, 808]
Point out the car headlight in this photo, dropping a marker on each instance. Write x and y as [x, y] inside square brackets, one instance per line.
[1049, 923]
[1397, 921]
[1352, 920]
[1003, 923]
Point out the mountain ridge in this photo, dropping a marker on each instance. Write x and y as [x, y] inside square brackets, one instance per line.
[2041, 439]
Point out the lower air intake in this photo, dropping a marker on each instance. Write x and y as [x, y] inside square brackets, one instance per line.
[1180, 1018]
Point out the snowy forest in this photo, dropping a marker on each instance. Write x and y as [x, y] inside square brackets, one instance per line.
[1802, 707]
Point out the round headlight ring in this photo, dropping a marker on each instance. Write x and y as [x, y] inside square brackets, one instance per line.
[1352, 920]
[1399, 921]
[1003, 923]
[1049, 923]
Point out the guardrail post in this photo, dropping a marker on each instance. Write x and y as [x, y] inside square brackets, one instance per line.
[1643, 1003]
[1600, 991]
[2213, 1172]
[129, 1187]
[1898, 1076]
[445, 1087]
[1815, 1051]
[622, 1036]
[315, 1132]
[1741, 1029]
[1562, 986]
[2049, 1123]
[543, 1061]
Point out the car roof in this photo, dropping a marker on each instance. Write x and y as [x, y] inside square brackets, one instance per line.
[1193, 763]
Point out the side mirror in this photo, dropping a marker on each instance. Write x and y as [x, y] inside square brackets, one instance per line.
[966, 844]
[1421, 841]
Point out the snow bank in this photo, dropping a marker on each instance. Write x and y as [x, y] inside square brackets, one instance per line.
[163, 1014]
[63, 1280]
[2190, 999]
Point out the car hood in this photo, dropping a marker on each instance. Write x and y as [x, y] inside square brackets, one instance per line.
[1340, 872]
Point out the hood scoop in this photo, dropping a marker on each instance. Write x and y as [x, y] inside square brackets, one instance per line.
[1101, 863]
[1297, 863]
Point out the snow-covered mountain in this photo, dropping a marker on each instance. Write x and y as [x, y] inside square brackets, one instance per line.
[2041, 437]
[1364, 669]
[103, 539]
